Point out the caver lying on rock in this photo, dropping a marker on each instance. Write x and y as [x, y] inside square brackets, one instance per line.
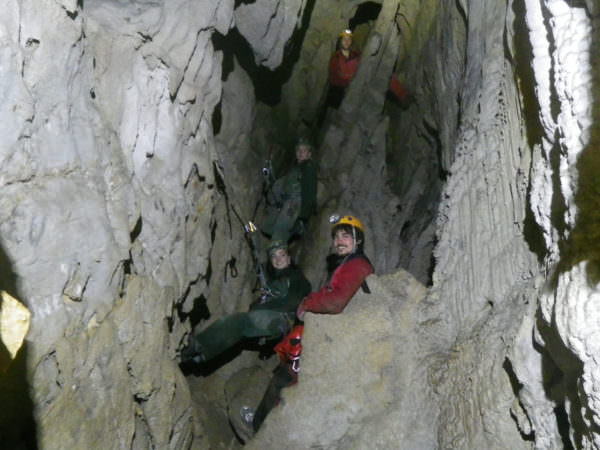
[271, 317]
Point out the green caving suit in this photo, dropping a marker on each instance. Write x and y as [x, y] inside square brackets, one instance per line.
[270, 318]
[295, 195]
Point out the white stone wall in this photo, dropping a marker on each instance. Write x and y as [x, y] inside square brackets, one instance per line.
[110, 204]
[562, 36]
[114, 223]
[107, 190]
[484, 268]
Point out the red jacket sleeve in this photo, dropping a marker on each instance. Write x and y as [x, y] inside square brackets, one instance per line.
[398, 89]
[333, 298]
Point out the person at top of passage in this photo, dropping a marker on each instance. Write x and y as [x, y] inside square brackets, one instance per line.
[344, 63]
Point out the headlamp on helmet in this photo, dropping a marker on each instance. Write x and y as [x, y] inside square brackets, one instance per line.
[347, 32]
[336, 219]
[352, 224]
[275, 245]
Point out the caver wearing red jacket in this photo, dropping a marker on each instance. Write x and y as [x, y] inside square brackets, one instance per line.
[344, 64]
[349, 268]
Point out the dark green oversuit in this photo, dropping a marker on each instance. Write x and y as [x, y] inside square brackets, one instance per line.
[270, 317]
[295, 198]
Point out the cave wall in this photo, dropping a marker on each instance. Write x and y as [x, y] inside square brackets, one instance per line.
[457, 392]
[491, 283]
[505, 348]
[118, 205]
[564, 39]
[107, 199]
[130, 149]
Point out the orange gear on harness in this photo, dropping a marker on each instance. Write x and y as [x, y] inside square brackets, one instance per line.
[290, 348]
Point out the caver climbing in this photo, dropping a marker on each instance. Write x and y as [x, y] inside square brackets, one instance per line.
[293, 197]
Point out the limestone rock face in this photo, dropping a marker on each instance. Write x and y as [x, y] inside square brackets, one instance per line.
[565, 332]
[266, 24]
[357, 370]
[569, 337]
[129, 160]
[488, 357]
[111, 195]
[116, 378]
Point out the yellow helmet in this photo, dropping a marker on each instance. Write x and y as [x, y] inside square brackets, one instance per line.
[348, 220]
[346, 32]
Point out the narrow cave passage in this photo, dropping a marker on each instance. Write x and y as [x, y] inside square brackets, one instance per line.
[408, 155]
[133, 140]
[414, 173]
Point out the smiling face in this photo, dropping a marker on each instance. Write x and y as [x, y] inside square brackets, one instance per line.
[303, 152]
[280, 258]
[346, 42]
[343, 242]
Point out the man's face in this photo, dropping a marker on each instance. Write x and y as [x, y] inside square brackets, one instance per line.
[346, 42]
[303, 152]
[343, 243]
[280, 258]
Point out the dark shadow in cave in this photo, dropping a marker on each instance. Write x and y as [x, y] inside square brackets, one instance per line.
[199, 311]
[205, 369]
[561, 370]
[365, 12]
[243, 2]
[18, 428]
[530, 108]
[404, 159]
[433, 137]
[583, 243]
[516, 387]
[17, 424]
[217, 119]
[267, 83]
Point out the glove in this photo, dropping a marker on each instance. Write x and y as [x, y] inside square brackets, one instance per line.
[300, 312]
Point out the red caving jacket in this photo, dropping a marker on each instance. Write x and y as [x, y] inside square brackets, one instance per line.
[343, 284]
[342, 69]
